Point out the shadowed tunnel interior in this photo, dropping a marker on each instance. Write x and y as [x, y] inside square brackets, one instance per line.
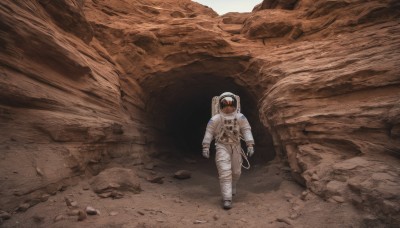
[179, 107]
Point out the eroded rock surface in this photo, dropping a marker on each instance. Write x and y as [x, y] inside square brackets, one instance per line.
[86, 82]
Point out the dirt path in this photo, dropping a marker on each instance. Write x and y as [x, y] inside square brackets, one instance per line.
[267, 197]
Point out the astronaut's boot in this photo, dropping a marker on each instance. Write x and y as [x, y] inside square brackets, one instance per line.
[227, 204]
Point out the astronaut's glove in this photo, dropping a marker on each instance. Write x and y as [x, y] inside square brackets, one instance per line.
[250, 151]
[206, 152]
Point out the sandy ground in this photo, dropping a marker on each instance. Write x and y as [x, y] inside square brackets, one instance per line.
[267, 197]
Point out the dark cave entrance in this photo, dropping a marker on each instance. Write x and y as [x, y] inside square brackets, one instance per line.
[179, 107]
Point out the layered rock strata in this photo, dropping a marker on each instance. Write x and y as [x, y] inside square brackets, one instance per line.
[84, 82]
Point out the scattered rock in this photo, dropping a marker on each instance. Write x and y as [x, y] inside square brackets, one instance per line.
[5, 215]
[113, 194]
[58, 218]
[113, 213]
[116, 195]
[81, 215]
[74, 204]
[85, 187]
[284, 220]
[91, 211]
[338, 199]
[140, 213]
[199, 221]
[215, 217]
[23, 207]
[156, 179]
[39, 171]
[304, 195]
[182, 174]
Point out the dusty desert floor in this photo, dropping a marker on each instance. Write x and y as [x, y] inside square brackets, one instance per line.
[267, 197]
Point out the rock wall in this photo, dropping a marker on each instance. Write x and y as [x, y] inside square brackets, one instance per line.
[333, 106]
[83, 82]
[60, 101]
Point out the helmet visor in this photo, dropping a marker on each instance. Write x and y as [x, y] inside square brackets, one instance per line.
[227, 101]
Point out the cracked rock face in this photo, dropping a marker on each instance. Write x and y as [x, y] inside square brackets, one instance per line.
[87, 82]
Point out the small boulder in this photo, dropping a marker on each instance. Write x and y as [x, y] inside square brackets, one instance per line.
[113, 179]
[91, 211]
[182, 174]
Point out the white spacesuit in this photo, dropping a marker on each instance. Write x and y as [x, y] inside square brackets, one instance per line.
[228, 127]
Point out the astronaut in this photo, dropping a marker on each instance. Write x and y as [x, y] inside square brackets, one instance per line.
[227, 128]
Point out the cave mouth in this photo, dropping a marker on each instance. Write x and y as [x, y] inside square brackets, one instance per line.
[179, 108]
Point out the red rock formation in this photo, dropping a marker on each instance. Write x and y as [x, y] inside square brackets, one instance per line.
[83, 82]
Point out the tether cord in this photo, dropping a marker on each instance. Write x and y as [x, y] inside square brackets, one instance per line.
[244, 155]
[245, 158]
